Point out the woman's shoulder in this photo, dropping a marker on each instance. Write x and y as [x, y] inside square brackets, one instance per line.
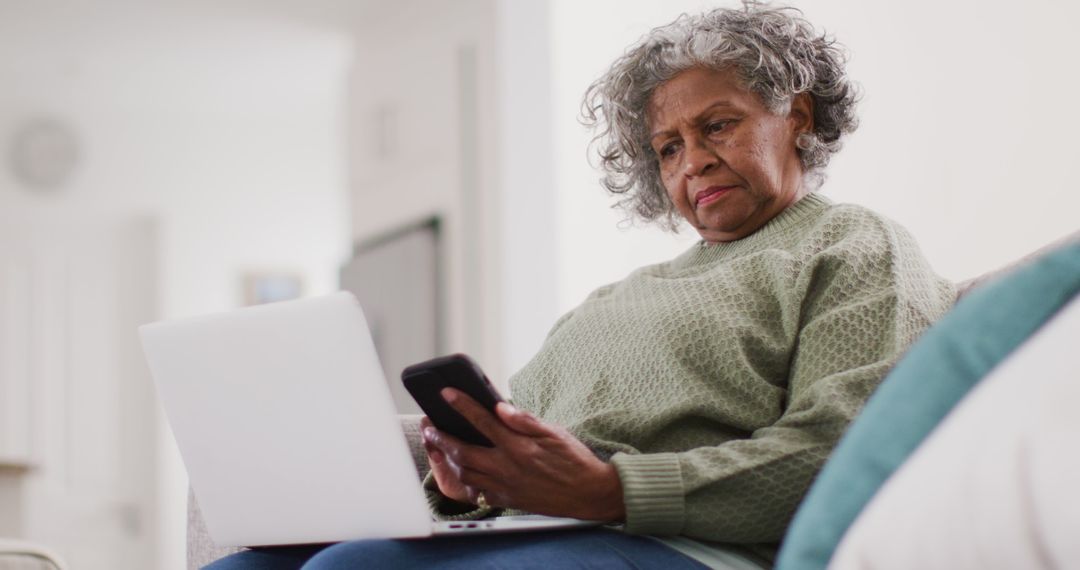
[856, 240]
[852, 215]
[846, 223]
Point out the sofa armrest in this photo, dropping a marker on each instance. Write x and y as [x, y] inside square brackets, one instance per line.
[201, 549]
[964, 287]
[410, 426]
[23, 555]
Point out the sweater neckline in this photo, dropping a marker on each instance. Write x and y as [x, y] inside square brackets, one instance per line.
[793, 216]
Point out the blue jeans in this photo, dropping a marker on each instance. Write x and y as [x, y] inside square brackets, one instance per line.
[593, 548]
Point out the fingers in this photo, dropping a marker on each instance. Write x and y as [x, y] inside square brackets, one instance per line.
[521, 421]
[458, 452]
[480, 418]
[491, 486]
[491, 497]
[474, 496]
[435, 455]
[506, 416]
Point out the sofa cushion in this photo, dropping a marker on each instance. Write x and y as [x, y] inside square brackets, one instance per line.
[937, 372]
[994, 485]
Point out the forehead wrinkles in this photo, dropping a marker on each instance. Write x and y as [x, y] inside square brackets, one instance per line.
[666, 110]
[671, 107]
[676, 90]
[655, 109]
[695, 91]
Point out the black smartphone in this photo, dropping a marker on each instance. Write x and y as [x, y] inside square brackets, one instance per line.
[426, 379]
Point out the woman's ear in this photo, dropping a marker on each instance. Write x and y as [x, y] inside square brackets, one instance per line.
[802, 114]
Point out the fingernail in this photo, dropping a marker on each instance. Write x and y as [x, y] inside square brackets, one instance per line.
[449, 395]
[429, 433]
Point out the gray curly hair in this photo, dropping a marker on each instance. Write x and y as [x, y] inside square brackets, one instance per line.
[778, 55]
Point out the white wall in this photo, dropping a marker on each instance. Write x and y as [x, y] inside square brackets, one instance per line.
[966, 136]
[528, 219]
[423, 143]
[230, 132]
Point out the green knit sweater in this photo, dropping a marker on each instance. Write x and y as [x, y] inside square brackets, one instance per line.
[718, 382]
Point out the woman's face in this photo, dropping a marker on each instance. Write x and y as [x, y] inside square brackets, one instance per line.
[727, 162]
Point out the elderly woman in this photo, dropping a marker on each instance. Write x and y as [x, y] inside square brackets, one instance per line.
[694, 401]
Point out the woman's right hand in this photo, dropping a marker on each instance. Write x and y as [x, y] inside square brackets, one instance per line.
[443, 470]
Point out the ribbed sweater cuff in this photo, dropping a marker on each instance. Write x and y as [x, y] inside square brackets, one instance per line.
[652, 492]
[444, 508]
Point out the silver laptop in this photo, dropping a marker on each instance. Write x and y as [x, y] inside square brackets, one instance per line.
[287, 428]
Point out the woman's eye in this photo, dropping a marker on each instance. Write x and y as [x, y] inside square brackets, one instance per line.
[668, 150]
[716, 126]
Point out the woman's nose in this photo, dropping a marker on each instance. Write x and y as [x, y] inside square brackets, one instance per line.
[700, 159]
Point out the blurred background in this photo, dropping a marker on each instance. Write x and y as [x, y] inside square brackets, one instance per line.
[168, 159]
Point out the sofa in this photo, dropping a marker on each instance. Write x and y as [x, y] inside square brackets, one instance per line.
[24, 555]
[813, 542]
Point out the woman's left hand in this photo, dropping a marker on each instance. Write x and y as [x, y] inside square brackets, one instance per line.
[534, 466]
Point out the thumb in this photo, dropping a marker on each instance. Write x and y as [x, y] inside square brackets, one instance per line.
[435, 455]
[521, 421]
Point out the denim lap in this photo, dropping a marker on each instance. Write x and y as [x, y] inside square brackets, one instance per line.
[597, 548]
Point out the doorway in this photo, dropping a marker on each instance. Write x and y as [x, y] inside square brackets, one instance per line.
[81, 445]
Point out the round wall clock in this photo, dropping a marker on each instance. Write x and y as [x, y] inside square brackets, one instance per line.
[43, 154]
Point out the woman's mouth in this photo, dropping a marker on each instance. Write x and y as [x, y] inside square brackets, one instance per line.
[711, 194]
